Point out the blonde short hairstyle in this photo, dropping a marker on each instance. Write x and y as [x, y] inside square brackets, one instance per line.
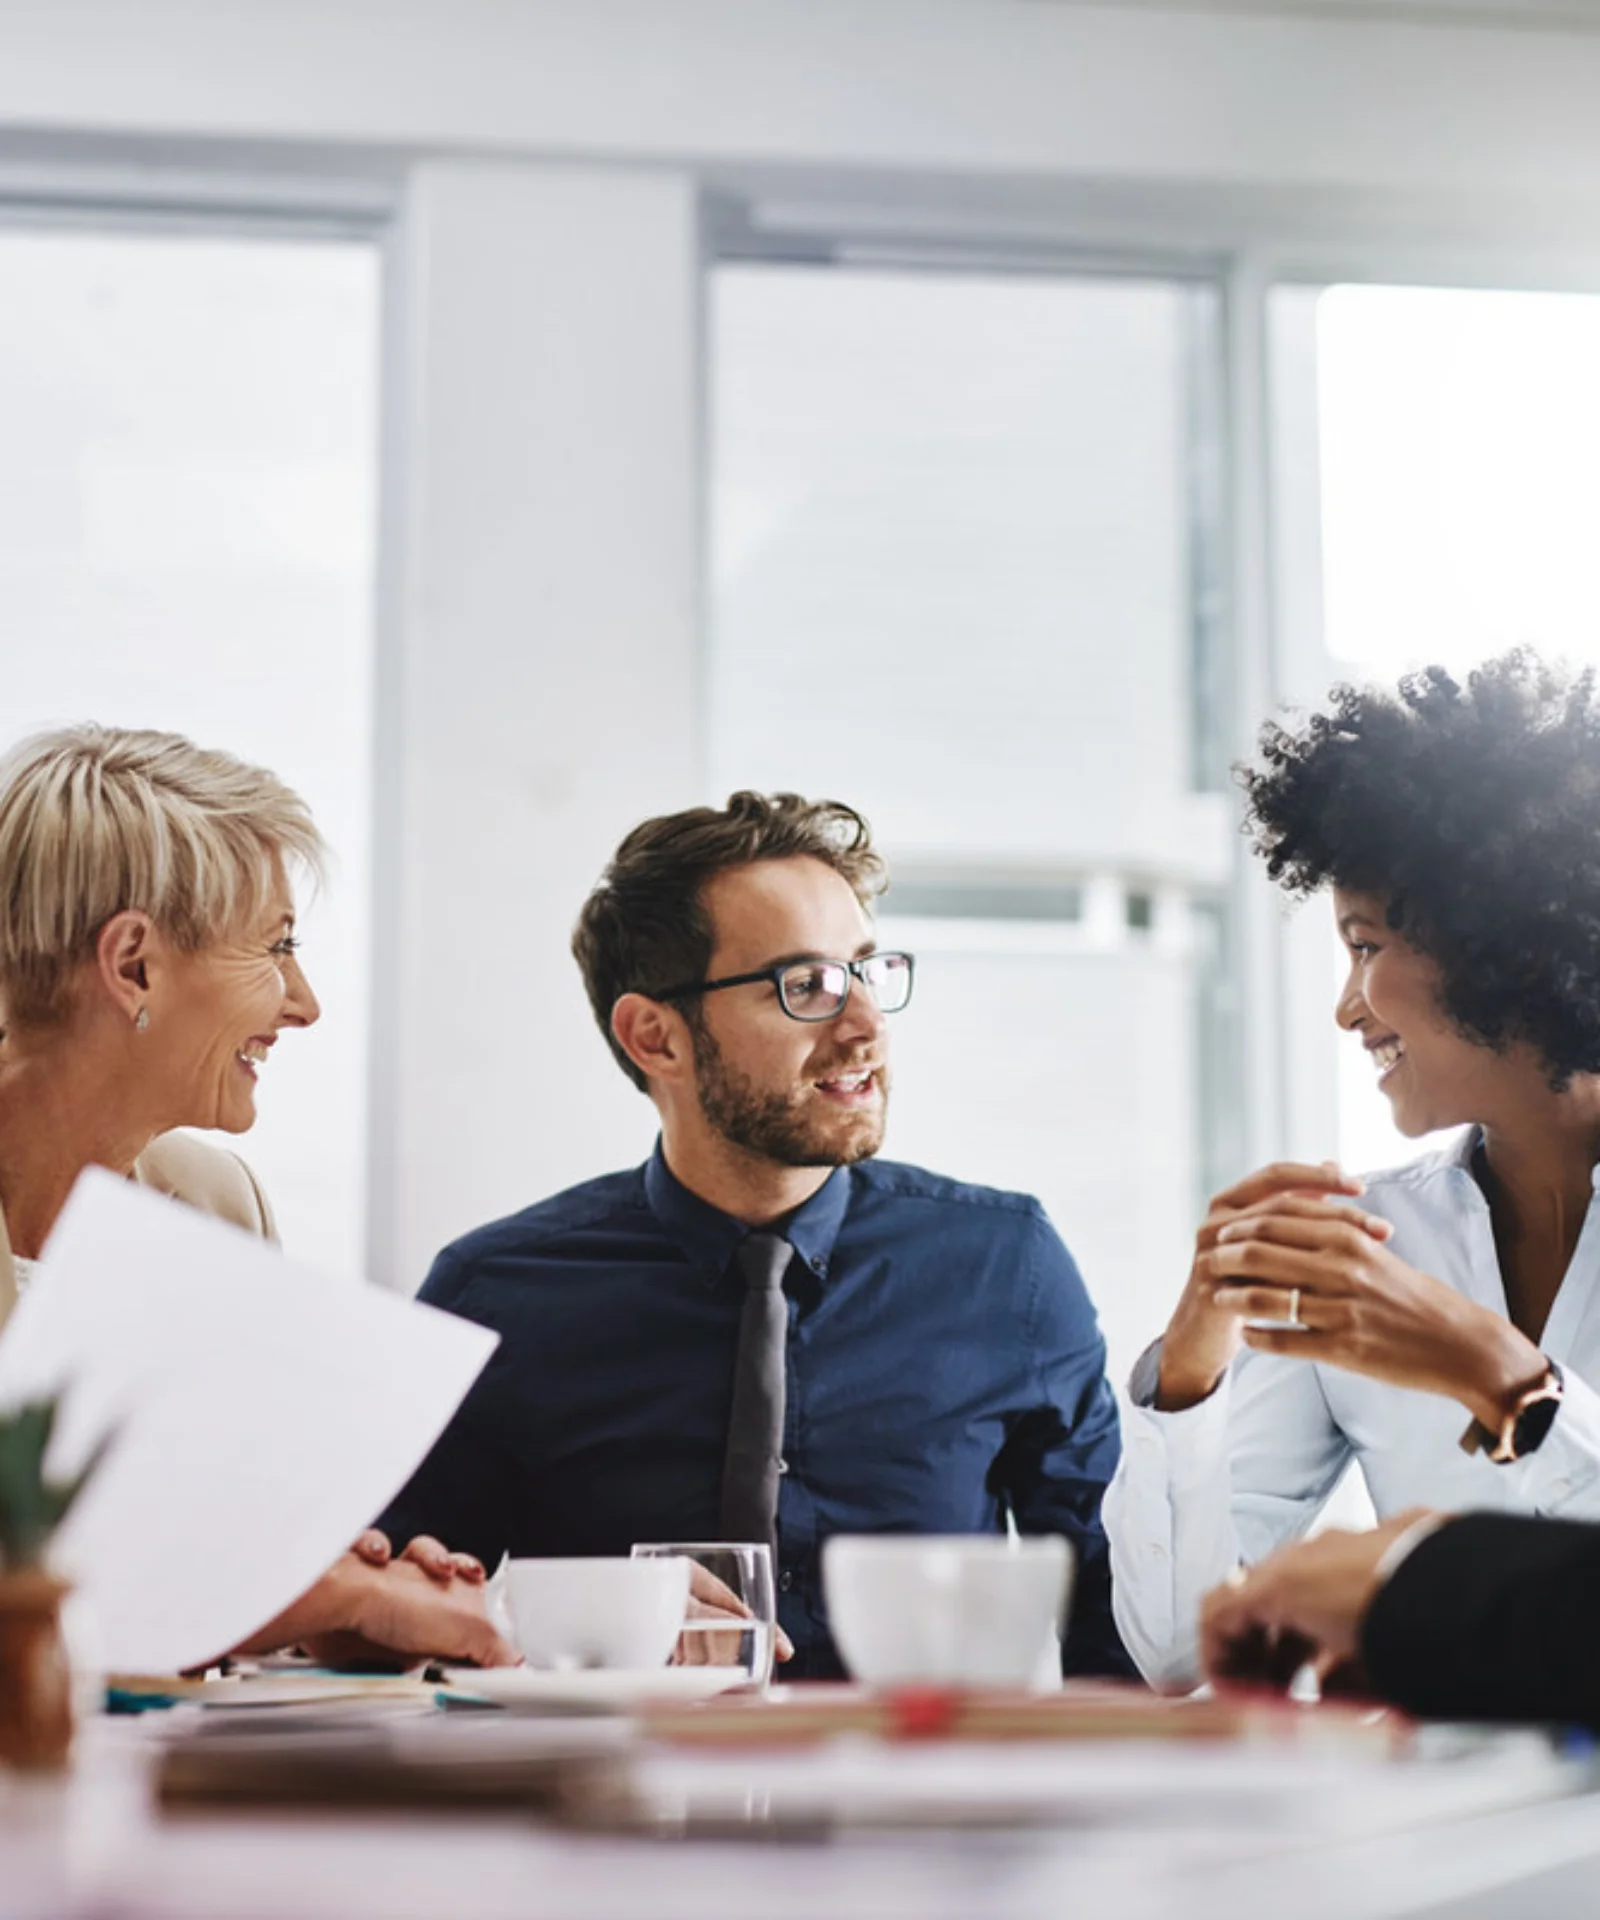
[96, 820]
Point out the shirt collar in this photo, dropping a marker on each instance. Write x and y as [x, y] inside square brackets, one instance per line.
[709, 1236]
[1464, 1150]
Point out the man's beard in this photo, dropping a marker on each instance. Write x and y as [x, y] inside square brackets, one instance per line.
[775, 1125]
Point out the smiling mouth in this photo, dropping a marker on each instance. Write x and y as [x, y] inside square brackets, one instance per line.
[859, 1085]
[1386, 1055]
[252, 1055]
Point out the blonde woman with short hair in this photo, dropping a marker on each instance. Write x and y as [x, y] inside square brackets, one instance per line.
[148, 967]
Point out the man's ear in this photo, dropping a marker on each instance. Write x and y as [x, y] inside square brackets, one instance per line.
[123, 951]
[654, 1036]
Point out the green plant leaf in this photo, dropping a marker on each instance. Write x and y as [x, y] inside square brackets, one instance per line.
[31, 1505]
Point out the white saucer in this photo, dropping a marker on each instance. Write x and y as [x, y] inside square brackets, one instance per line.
[597, 1688]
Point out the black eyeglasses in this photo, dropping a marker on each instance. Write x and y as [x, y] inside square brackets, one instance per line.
[818, 989]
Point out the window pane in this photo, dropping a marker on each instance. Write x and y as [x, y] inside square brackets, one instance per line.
[1460, 467]
[951, 550]
[186, 508]
[964, 562]
[1064, 1067]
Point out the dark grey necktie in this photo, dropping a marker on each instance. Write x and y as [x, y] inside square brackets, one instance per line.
[755, 1425]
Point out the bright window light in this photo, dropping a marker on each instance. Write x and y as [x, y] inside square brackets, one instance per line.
[1460, 465]
[187, 473]
[1458, 436]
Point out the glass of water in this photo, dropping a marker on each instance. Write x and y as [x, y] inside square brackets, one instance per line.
[715, 1632]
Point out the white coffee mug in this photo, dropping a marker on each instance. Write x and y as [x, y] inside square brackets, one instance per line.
[975, 1610]
[597, 1613]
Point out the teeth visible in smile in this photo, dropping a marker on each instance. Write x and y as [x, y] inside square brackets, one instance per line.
[849, 1082]
[1387, 1056]
[253, 1052]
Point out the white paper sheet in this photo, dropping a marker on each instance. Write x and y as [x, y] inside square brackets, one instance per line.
[265, 1415]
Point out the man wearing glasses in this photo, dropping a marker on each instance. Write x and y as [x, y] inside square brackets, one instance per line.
[764, 1332]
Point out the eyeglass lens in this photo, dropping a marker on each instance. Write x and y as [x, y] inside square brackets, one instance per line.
[817, 989]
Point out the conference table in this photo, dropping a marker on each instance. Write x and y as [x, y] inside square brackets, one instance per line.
[1338, 1821]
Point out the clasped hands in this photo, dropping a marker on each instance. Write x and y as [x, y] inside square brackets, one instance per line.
[377, 1609]
[1291, 1235]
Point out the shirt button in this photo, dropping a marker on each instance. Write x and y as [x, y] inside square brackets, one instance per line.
[785, 1581]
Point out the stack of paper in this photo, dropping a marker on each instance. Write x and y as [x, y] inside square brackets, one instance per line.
[262, 1414]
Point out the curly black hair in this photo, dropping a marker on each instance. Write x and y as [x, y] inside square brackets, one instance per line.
[1474, 811]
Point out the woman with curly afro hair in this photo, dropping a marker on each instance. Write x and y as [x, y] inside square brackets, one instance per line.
[1445, 1331]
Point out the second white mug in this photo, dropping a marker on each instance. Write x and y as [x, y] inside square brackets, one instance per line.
[975, 1610]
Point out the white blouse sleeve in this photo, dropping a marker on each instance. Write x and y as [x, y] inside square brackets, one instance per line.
[1198, 1491]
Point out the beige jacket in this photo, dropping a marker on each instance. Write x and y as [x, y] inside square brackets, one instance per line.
[187, 1169]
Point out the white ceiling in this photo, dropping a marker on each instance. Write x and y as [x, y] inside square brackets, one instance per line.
[1579, 15]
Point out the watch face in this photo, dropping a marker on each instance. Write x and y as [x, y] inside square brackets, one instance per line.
[1533, 1423]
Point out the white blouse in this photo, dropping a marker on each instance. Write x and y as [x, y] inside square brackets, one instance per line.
[23, 1269]
[1249, 1468]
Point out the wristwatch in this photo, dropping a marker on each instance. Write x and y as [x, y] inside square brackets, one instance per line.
[1521, 1432]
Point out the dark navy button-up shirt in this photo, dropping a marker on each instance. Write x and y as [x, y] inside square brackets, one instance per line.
[944, 1367]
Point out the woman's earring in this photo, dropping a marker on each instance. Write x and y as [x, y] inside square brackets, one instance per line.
[141, 1020]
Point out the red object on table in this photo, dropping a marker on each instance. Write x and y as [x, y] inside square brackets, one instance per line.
[921, 1713]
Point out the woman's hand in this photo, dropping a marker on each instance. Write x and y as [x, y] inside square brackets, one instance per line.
[1204, 1335]
[389, 1617]
[1363, 1308]
[431, 1555]
[372, 1610]
[406, 1612]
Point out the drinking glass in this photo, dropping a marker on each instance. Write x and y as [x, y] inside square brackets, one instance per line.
[713, 1636]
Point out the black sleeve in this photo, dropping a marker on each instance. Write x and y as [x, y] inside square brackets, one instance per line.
[1494, 1617]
